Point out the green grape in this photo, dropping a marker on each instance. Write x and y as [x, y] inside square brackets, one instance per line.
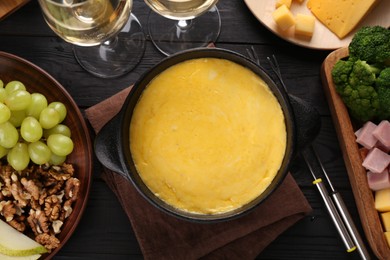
[14, 85]
[17, 117]
[1, 84]
[60, 144]
[18, 100]
[61, 109]
[49, 118]
[31, 130]
[56, 159]
[38, 103]
[5, 113]
[39, 152]
[58, 129]
[3, 94]
[3, 151]
[18, 156]
[9, 136]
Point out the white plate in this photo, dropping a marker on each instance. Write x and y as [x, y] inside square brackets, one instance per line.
[322, 38]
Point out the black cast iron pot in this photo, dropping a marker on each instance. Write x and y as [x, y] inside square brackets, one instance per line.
[112, 142]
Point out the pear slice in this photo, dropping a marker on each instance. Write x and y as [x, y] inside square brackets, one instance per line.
[15, 243]
[29, 257]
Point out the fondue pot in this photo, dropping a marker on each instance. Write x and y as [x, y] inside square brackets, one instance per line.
[112, 142]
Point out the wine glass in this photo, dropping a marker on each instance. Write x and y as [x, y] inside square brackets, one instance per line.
[176, 25]
[108, 40]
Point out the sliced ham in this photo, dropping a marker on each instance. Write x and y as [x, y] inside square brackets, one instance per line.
[376, 161]
[382, 133]
[365, 135]
[378, 181]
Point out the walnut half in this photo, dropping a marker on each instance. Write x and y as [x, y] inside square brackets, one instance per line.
[38, 222]
[38, 199]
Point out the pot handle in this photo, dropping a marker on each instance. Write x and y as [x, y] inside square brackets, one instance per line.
[108, 146]
[307, 121]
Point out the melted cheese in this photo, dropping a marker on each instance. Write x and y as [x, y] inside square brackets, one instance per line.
[207, 136]
[340, 16]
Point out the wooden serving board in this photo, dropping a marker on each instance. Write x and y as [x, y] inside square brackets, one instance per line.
[9, 6]
[364, 197]
[322, 38]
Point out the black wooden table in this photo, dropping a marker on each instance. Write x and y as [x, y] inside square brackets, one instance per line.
[104, 231]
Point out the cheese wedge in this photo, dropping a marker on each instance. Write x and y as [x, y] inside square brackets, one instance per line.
[341, 17]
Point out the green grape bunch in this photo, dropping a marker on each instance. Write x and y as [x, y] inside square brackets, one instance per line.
[31, 128]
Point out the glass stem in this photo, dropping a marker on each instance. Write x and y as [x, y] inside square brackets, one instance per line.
[184, 25]
[110, 42]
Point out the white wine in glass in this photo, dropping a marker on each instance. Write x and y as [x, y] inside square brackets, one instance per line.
[176, 25]
[107, 39]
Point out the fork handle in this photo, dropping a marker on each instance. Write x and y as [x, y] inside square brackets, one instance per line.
[350, 225]
[337, 221]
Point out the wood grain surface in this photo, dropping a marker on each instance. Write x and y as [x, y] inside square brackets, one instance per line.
[105, 231]
[364, 197]
[9, 6]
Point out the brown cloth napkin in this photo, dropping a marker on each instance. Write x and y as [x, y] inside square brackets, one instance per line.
[162, 236]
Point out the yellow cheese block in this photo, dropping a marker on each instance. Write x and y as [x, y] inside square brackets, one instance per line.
[386, 220]
[304, 25]
[382, 200]
[341, 17]
[283, 17]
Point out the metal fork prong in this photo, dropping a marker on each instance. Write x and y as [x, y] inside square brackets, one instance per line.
[253, 55]
[276, 69]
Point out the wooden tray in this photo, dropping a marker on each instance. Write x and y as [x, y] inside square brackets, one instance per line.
[9, 6]
[364, 197]
[322, 38]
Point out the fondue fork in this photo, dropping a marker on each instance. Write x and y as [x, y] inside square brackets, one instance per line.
[332, 210]
[337, 207]
[342, 208]
[329, 204]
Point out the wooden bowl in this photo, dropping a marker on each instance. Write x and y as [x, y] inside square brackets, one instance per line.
[37, 80]
[345, 129]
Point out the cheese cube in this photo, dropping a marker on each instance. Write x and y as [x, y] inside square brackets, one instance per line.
[279, 3]
[386, 221]
[283, 17]
[387, 236]
[304, 24]
[341, 17]
[382, 200]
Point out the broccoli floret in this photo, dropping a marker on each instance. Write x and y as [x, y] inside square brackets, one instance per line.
[383, 80]
[341, 71]
[383, 90]
[363, 74]
[371, 44]
[362, 101]
[363, 79]
[354, 81]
